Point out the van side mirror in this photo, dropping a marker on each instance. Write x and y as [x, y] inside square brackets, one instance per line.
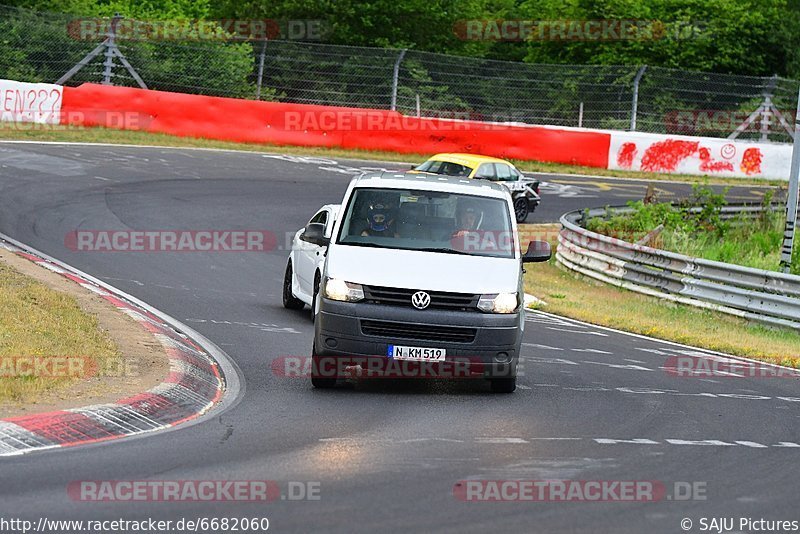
[538, 251]
[315, 233]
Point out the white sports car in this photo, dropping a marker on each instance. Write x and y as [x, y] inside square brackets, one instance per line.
[304, 267]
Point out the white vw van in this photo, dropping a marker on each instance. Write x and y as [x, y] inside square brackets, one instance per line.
[421, 270]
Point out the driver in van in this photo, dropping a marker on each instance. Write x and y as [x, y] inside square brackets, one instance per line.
[380, 222]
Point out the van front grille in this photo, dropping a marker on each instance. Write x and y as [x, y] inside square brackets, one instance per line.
[393, 330]
[402, 297]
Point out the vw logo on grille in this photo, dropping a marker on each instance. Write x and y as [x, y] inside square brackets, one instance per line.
[420, 300]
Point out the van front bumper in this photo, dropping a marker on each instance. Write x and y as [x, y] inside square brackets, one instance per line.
[361, 332]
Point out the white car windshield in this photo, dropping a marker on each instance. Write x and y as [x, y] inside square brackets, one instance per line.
[428, 221]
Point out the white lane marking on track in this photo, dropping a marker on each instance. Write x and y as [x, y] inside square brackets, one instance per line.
[554, 439]
[621, 366]
[653, 351]
[523, 386]
[565, 190]
[548, 360]
[525, 440]
[667, 344]
[634, 441]
[538, 346]
[589, 332]
[266, 327]
[752, 444]
[701, 442]
[595, 351]
[494, 440]
[672, 392]
[534, 317]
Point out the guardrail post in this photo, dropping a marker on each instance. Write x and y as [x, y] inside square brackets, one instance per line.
[395, 76]
[635, 104]
[791, 199]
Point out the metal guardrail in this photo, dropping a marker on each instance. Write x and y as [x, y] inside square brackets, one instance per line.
[755, 294]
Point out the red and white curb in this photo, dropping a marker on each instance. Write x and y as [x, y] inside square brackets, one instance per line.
[199, 375]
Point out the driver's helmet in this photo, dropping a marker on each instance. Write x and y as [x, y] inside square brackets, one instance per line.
[469, 217]
[379, 217]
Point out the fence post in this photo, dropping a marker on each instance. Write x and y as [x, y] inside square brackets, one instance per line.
[580, 116]
[791, 197]
[111, 51]
[395, 76]
[635, 106]
[261, 69]
[108, 66]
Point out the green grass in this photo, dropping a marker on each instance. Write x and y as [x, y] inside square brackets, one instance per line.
[751, 245]
[17, 132]
[36, 321]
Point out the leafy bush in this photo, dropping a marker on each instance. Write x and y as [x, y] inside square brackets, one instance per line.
[695, 227]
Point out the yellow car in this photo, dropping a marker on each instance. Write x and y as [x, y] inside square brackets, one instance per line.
[524, 191]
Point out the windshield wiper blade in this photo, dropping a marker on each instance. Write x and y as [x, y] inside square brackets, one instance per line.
[444, 250]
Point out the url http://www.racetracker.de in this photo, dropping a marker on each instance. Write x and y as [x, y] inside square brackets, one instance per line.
[149, 525]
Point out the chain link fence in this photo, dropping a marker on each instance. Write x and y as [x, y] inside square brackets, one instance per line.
[43, 47]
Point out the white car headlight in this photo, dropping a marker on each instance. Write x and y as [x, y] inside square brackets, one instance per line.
[499, 303]
[340, 290]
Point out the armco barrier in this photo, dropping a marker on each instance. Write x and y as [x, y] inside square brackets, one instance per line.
[765, 296]
[279, 123]
[309, 125]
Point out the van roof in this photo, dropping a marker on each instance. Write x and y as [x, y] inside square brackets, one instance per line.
[435, 182]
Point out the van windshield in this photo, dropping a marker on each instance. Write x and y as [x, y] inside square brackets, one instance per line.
[428, 221]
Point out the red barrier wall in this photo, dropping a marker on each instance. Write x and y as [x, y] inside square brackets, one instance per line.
[230, 119]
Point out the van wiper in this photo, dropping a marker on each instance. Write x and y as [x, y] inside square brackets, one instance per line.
[444, 250]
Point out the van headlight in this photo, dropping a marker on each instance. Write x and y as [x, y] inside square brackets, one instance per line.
[499, 303]
[336, 289]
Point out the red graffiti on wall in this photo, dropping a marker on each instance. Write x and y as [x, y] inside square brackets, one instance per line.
[709, 165]
[751, 161]
[626, 154]
[665, 156]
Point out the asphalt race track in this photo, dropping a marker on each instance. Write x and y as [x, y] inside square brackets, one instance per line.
[593, 404]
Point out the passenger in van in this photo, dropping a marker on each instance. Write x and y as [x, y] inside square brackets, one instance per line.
[380, 222]
[468, 220]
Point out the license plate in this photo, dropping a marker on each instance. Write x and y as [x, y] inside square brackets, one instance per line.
[423, 354]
